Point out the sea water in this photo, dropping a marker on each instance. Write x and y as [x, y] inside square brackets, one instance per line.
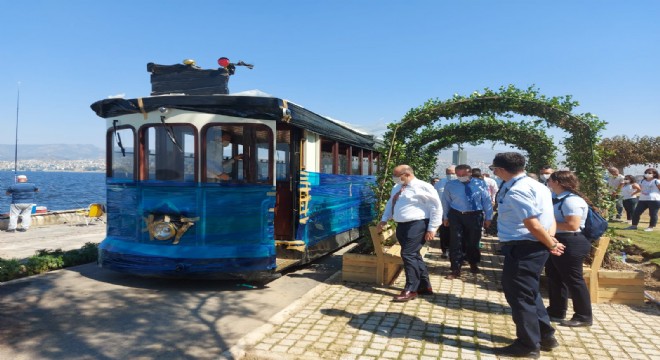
[58, 190]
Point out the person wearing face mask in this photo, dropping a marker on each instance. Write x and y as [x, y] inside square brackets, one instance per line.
[415, 207]
[217, 167]
[544, 174]
[630, 194]
[443, 232]
[466, 201]
[565, 275]
[615, 183]
[649, 198]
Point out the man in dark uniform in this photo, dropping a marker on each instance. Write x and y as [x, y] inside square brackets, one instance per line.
[526, 228]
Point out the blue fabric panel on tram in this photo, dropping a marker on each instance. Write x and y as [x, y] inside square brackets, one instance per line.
[232, 227]
[337, 204]
[124, 221]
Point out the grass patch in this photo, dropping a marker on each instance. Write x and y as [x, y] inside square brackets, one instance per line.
[47, 260]
[647, 242]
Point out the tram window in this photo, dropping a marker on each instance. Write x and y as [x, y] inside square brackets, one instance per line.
[122, 156]
[355, 161]
[342, 167]
[227, 155]
[167, 160]
[326, 156]
[365, 163]
[282, 155]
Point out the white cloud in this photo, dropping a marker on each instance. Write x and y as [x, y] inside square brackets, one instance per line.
[117, 96]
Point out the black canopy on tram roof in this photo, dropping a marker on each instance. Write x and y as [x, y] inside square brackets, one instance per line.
[254, 107]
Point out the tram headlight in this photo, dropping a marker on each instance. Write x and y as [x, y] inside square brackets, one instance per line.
[164, 230]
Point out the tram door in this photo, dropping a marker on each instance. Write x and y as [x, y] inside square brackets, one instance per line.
[284, 184]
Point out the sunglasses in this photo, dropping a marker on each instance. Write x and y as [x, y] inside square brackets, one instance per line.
[492, 168]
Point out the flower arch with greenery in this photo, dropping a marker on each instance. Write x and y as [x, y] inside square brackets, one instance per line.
[539, 146]
[415, 140]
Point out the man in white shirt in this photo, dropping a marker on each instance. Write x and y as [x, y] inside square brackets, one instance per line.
[615, 183]
[492, 186]
[415, 206]
[443, 232]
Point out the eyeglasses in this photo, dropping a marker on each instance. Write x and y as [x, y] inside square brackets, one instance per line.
[492, 168]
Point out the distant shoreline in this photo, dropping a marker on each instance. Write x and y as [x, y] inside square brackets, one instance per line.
[57, 171]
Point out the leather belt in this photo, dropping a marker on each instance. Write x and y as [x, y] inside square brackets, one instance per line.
[521, 242]
[568, 233]
[466, 212]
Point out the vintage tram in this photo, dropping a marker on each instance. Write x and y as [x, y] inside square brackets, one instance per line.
[201, 183]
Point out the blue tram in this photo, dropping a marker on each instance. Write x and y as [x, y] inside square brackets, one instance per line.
[201, 183]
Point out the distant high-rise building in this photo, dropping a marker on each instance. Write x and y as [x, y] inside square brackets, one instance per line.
[459, 157]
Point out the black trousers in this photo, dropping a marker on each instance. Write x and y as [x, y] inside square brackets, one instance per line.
[465, 235]
[630, 205]
[411, 238]
[521, 273]
[444, 238]
[565, 278]
[642, 205]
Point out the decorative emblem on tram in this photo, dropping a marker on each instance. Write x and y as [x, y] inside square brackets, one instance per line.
[164, 227]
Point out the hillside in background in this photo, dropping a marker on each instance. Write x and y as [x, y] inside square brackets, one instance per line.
[51, 152]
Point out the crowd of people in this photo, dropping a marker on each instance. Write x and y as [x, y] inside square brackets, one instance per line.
[540, 218]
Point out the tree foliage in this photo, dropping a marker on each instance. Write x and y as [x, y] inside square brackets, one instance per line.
[622, 151]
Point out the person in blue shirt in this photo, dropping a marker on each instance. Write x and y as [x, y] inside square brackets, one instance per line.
[526, 228]
[466, 201]
[565, 275]
[22, 198]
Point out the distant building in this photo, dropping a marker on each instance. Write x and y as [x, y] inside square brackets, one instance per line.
[459, 157]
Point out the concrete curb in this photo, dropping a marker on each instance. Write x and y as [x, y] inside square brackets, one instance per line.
[240, 350]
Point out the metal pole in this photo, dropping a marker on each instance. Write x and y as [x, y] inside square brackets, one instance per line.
[18, 99]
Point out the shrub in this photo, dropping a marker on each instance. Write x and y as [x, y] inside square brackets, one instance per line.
[47, 260]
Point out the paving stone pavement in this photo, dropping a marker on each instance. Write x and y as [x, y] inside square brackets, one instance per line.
[464, 319]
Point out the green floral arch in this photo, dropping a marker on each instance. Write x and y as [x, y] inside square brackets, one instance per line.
[412, 139]
[538, 145]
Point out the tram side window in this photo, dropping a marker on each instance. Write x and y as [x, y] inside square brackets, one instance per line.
[365, 162]
[326, 156]
[355, 161]
[123, 154]
[170, 153]
[229, 156]
[263, 145]
[342, 158]
[282, 154]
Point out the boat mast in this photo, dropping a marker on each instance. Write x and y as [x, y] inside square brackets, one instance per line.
[18, 98]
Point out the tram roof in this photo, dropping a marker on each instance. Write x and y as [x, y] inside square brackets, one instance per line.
[252, 107]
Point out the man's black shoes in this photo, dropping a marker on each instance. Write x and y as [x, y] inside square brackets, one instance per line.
[549, 343]
[575, 323]
[515, 350]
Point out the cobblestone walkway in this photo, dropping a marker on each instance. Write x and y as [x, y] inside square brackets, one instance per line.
[464, 320]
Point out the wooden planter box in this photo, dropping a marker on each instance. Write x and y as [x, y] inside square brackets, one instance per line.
[617, 287]
[364, 268]
[381, 268]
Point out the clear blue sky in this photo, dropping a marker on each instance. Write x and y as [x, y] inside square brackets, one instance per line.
[362, 62]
